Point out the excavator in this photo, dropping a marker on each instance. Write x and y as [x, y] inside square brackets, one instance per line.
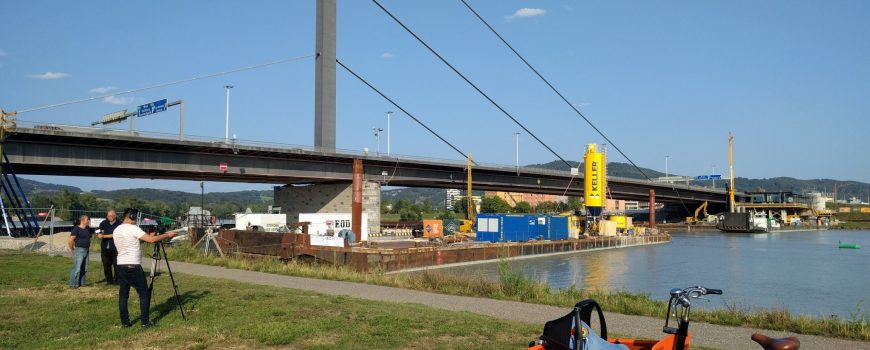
[694, 219]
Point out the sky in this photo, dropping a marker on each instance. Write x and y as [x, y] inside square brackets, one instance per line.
[790, 79]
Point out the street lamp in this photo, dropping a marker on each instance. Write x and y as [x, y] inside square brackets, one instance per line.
[714, 179]
[227, 130]
[378, 137]
[666, 169]
[389, 114]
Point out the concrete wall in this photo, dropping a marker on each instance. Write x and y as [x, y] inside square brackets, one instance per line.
[329, 198]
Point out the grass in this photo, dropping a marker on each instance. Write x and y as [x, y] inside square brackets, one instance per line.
[38, 311]
[516, 286]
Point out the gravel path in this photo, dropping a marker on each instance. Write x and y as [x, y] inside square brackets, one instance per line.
[715, 336]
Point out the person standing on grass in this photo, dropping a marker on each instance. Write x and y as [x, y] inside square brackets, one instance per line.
[130, 273]
[79, 245]
[108, 252]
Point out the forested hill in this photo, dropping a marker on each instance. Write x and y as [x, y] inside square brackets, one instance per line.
[613, 169]
[845, 189]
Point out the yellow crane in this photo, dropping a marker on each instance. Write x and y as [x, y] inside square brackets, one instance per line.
[467, 225]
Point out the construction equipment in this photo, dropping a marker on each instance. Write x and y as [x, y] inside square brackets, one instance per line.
[731, 167]
[694, 219]
[467, 225]
[595, 185]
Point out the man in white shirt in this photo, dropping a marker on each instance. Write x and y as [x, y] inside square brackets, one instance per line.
[130, 273]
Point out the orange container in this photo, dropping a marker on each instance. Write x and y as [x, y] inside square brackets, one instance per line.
[433, 228]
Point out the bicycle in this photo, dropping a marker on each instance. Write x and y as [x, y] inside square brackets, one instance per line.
[572, 331]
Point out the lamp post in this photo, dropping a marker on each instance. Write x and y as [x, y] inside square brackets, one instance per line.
[378, 138]
[227, 130]
[517, 136]
[714, 173]
[389, 114]
[666, 169]
[202, 204]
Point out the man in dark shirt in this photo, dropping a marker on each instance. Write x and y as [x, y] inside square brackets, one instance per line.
[108, 252]
[79, 244]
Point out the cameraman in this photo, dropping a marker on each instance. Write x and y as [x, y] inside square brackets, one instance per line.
[130, 273]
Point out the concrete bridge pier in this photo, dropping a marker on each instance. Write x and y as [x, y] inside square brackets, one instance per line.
[332, 198]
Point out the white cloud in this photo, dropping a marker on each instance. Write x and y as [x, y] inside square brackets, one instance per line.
[2, 53]
[50, 76]
[387, 55]
[115, 100]
[527, 12]
[102, 90]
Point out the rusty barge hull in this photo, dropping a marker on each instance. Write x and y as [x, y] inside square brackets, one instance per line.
[291, 246]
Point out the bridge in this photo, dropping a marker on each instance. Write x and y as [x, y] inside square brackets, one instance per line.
[50, 149]
[97, 152]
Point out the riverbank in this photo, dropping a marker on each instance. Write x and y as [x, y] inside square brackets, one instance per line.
[515, 286]
[40, 312]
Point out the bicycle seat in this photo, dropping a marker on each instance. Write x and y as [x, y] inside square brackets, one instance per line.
[768, 343]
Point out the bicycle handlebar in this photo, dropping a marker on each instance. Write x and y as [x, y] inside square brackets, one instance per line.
[714, 291]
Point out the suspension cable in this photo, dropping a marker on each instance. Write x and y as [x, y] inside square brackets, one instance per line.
[469, 82]
[212, 75]
[576, 110]
[402, 109]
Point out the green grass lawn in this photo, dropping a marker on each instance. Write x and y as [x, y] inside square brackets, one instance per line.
[39, 311]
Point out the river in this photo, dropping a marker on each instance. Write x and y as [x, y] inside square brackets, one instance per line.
[803, 272]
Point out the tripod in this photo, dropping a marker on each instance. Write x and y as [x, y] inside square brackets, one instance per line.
[155, 259]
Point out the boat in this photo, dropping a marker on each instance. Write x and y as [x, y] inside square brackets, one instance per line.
[842, 245]
[753, 222]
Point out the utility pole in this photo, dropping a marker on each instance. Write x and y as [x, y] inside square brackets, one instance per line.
[517, 136]
[378, 138]
[389, 114]
[227, 130]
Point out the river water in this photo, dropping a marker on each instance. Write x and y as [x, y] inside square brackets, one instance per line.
[803, 272]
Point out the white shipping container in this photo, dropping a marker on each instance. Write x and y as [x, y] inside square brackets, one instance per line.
[322, 223]
[269, 222]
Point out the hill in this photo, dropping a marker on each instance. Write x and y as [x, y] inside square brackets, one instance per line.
[613, 169]
[36, 187]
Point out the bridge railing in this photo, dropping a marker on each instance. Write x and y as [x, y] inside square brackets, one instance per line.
[27, 125]
[42, 127]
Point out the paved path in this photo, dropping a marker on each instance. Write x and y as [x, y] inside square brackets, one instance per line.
[722, 337]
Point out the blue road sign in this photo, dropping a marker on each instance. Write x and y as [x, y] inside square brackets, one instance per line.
[708, 177]
[151, 108]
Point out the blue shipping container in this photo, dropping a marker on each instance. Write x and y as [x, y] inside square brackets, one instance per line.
[521, 228]
[558, 228]
[538, 227]
[502, 228]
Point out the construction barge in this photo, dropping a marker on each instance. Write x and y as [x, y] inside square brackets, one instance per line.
[410, 255]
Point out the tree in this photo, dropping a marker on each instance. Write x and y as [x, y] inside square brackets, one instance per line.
[459, 207]
[574, 203]
[446, 214]
[427, 206]
[399, 205]
[494, 205]
[385, 206]
[522, 208]
[408, 214]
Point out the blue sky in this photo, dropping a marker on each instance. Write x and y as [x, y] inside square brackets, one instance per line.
[791, 79]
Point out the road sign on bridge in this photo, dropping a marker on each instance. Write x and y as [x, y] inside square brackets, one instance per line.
[151, 108]
[708, 177]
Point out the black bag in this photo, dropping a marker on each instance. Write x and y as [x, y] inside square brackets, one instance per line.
[566, 333]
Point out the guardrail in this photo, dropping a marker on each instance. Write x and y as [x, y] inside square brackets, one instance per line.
[28, 126]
